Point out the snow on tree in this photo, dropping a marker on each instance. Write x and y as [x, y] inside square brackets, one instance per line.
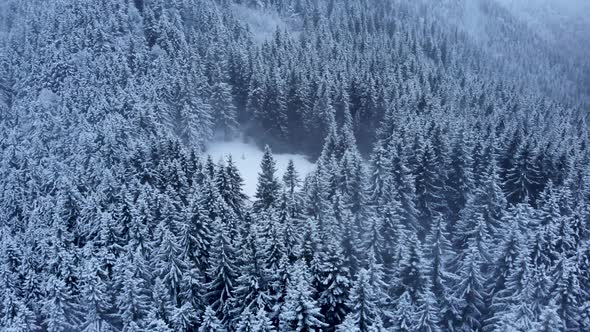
[300, 311]
[222, 274]
[267, 189]
[363, 304]
[470, 290]
[210, 322]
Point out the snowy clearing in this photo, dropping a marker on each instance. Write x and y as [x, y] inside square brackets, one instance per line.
[247, 158]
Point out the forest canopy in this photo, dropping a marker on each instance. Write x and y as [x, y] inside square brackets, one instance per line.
[451, 187]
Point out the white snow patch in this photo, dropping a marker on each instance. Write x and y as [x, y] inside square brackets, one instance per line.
[47, 98]
[247, 158]
[264, 22]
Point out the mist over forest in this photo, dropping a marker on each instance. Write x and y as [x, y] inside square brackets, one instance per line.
[295, 165]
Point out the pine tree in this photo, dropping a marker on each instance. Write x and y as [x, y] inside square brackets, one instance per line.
[262, 323]
[196, 236]
[290, 230]
[141, 223]
[427, 313]
[252, 284]
[491, 197]
[519, 318]
[460, 178]
[184, 317]
[273, 116]
[291, 183]
[404, 316]
[134, 299]
[511, 257]
[169, 264]
[472, 228]
[470, 290]
[222, 106]
[522, 180]
[363, 304]
[550, 321]
[393, 232]
[413, 278]
[352, 182]
[429, 187]
[210, 322]
[335, 283]
[403, 181]
[350, 241]
[300, 312]
[438, 249]
[348, 325]
[228, 183]
[247, 322]
[222, 274]
[379, 180]
[95, 299]
[567, 293]
[59, 308]
[16, 315]
[267, 189]
[317, 200]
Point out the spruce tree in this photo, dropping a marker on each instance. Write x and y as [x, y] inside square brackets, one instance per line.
[522, 180]
[335, 283]
[267, 189]
[210, 322]
[470, 290]
[404, 316]
[222, 274]
[300, 311]
[363, 304]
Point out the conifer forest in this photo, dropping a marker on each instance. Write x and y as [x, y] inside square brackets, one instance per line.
[450, 144]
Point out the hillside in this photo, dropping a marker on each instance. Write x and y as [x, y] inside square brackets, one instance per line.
[440, 179]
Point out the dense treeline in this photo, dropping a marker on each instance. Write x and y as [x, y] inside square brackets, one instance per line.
[451, 191]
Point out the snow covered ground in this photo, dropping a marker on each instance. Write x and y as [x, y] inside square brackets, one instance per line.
[247, 158]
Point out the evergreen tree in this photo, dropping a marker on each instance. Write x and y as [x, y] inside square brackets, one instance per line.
[567, 293]
[291, 183]
[222, 274]
[550, 321]
[247, 322]
[413, 278]
[522, 180]
[95, 300]
[60, 307]
[460, 178]
[267, 189]
[335, 283]
[229, 184]
[196, 236]
[403, 181]
[429, 187]
[134, 299]
[252, 284]
[262, 323]
[222, 106]
[300, 311]
[210, 322]
[470, 290]
[169, 264]
[427, 313]
[363, 304]
[379, 179]
[404, 316]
